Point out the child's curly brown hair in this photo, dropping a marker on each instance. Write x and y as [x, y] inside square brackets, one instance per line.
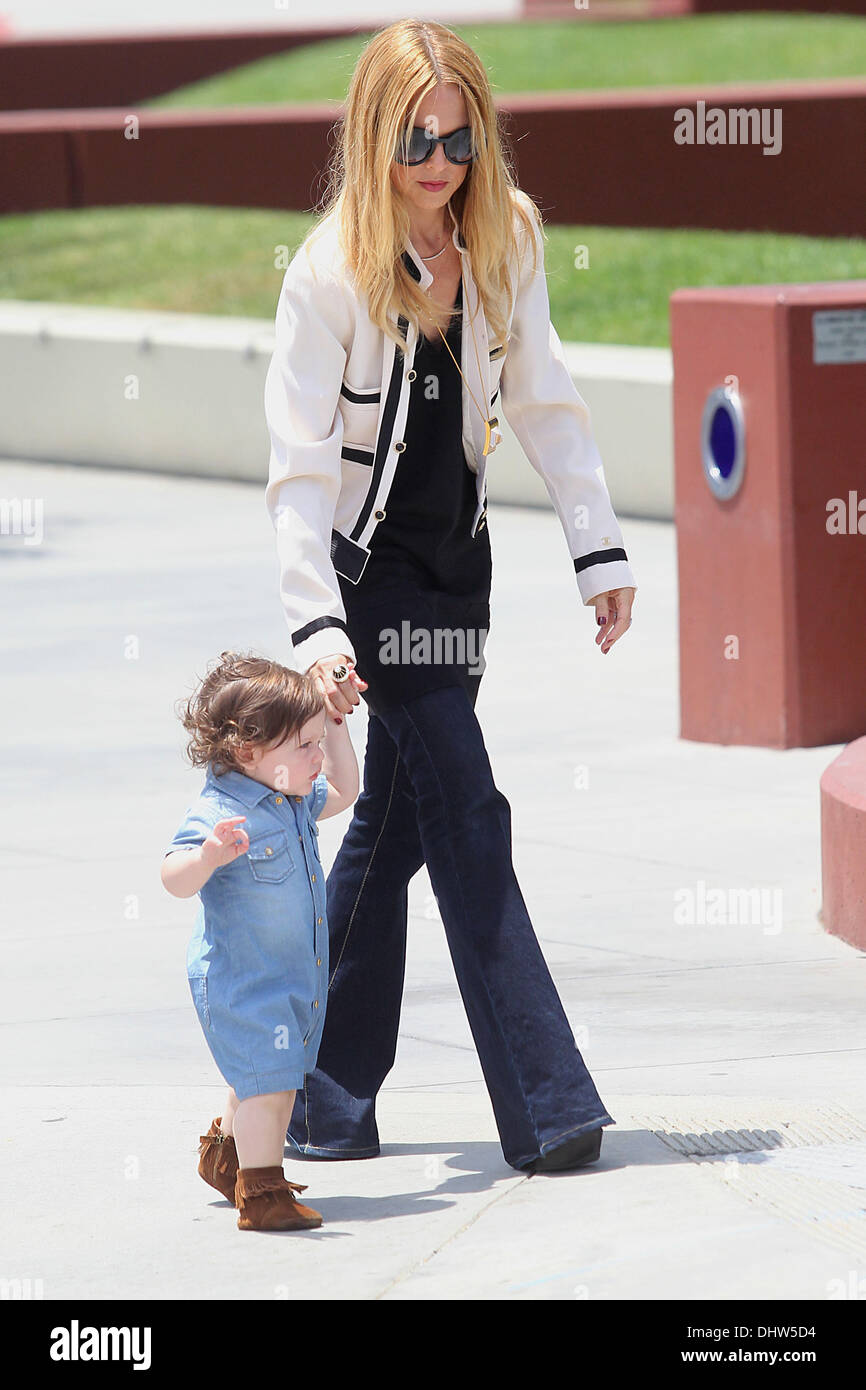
[245, 700]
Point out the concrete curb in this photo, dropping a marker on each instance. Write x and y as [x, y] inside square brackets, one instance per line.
[183, 394]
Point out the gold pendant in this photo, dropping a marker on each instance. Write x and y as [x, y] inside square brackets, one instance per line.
[492, 435]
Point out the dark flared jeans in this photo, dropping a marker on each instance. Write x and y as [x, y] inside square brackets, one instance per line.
[429, 796]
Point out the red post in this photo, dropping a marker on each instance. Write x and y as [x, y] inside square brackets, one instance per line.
[772, 579]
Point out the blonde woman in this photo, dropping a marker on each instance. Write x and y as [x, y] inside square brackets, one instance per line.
[415, 311]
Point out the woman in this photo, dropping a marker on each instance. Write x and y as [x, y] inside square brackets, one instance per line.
[417, 299]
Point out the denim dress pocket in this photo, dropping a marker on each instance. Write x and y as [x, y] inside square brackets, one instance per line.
[198, 989]
[269, 858]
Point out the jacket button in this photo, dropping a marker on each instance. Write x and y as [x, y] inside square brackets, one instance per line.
[319, 961]
[300, 839]
[278, 800]
[410, 376]
[299, 798]
[400, 445]
[380, 516]
[318, 919]
[314, 878]
[269, 850]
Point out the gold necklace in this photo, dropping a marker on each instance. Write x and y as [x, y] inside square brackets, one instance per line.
[492, 435]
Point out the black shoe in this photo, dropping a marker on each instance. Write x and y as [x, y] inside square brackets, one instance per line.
[574, 1153]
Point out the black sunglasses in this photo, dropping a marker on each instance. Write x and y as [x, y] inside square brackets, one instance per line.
[457, 146]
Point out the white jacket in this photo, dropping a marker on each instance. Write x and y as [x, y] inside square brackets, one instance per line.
[336, 400]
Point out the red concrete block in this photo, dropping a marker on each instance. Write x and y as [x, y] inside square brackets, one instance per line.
[638, 175]
[843, 845]
[772, 580]
[91, 70]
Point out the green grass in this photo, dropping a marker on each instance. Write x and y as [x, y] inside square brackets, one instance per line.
[572, 56]
[221, 261]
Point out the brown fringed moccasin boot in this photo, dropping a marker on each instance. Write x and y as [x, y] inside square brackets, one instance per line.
[266, 1202]
[218, 1164]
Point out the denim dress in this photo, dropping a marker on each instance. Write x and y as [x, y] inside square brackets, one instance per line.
[257, 960]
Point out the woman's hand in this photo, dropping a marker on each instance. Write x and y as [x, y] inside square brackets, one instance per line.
[341, 697]
[613, 615]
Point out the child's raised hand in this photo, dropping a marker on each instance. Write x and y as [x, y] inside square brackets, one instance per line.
[226, 841]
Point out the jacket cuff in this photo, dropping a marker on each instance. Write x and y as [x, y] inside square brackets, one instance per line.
[322, 637]
[593, 580]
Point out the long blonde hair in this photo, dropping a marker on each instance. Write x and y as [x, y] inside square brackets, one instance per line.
[402, 62]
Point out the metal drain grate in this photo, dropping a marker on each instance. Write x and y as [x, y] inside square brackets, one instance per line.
[729, 1141]
[807, 1165]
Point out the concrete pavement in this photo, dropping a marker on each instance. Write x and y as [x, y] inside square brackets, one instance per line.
[750, 1031]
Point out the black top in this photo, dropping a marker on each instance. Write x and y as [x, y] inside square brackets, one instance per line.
[425, 566]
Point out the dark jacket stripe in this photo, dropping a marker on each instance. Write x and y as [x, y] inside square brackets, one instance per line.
[598, 557]
[357, 455]
[317, 623]
[368, 396]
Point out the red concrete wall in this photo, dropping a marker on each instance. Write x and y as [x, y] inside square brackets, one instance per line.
[843, 845]
[789, 6]
[658, 9]
[610, 158]
[84, 71]
[121, 69]
[762, 567]
[605, 10]
[234, 157]
[606, 158]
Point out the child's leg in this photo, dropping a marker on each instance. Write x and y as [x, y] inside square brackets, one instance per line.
[228, 1114]
[260, 1124]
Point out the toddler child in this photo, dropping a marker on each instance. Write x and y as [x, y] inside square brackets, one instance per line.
[257, 961]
